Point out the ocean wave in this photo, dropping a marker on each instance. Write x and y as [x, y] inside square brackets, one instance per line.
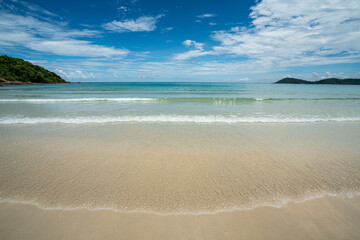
[60, 100]
[280, 203]
[225, 100]
[174, 119]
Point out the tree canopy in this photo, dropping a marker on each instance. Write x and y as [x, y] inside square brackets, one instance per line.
[18, 70]
[335, 81]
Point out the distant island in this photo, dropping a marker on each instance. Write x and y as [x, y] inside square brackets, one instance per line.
[335, 81]
[18, 71]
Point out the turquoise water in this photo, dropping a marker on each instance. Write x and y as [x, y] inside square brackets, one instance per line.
[178, 102]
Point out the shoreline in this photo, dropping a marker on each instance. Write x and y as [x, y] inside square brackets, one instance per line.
[282, 204]
[326, 218]
[24, 83]
[4, 82]
[167, 174]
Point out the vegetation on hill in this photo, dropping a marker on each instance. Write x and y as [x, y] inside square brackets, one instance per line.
[293, 80]
[18, 71]
[337, 81]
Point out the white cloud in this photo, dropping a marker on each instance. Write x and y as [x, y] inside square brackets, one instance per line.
[197, 45]
[141, 24]
[287, 33]
[172, 70]
[50, 37]
[206, 15]
[202, 17]
[199, 50]
[77, 74]
[167, 29]
[333, 75]
[315, 74]
[123, 8]
[26, 7]
[190, 54]
[76, 48]
[36, 8]
[294, 33]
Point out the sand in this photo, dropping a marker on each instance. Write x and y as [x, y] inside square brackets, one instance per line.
[325, 218]
[170, 181]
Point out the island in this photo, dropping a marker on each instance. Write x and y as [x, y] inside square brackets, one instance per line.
[19, 71]
[334, 81]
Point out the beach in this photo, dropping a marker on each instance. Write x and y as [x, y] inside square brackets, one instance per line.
[180, 120]
[326, 218]
[170, 162]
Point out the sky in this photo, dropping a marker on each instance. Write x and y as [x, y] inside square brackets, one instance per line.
[185, 41]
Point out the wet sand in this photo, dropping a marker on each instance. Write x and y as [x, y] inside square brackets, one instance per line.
[325, 218]
[188, 181]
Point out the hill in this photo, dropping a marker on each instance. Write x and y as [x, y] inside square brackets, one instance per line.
[293, 81]
[18, 71]
[335, 81]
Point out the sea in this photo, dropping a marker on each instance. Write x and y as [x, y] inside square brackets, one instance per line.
[178, 102]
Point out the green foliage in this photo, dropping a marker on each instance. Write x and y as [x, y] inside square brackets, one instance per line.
[293, 80]
[349, 81]
[15, 69]
[336, 81]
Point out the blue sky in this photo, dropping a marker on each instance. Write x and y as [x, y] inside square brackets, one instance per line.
[142, 40]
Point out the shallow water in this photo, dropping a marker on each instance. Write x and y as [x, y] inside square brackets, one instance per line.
[178, 102]
[177, 169]
[175, 149]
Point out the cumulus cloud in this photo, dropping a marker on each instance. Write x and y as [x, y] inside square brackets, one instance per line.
[199, 50]
[77, 74]
[141, 24]
[49, 36]
[197, 45]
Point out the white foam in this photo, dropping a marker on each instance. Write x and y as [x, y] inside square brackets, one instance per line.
[279, 203]
[174, 119]
[59, 100]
